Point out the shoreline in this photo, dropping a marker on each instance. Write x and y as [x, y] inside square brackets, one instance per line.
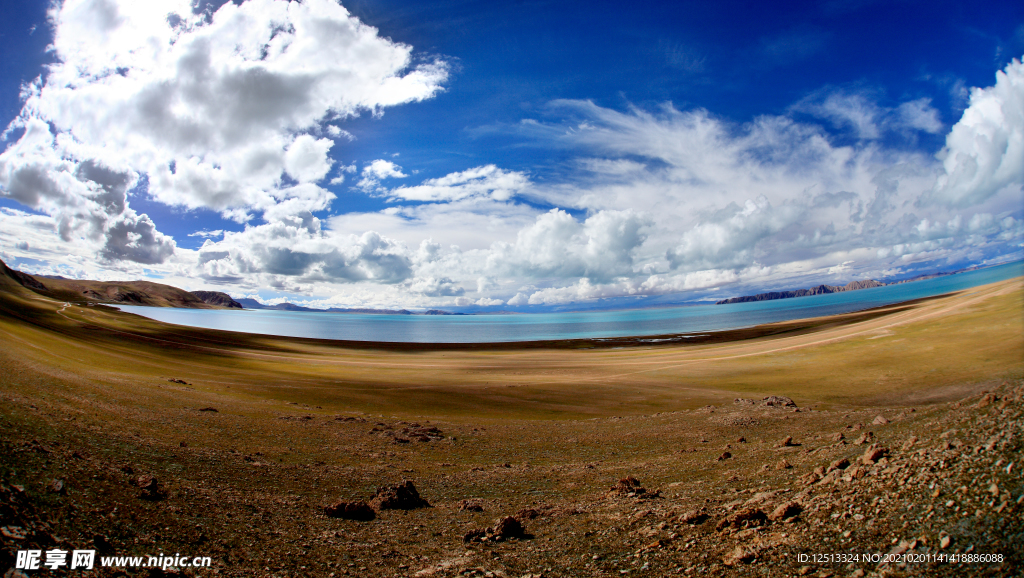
[789, 328]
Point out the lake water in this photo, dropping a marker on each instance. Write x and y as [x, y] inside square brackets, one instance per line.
[577, 325]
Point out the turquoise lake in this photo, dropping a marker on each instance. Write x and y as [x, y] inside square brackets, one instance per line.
[575, 325]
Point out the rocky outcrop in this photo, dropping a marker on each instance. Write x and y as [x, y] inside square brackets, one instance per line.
[218, 299]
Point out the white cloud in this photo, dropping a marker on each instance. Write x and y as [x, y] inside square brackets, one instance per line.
[238, 114]
[306, 158]
[730, 236]
[214, 110]
[486, 181]
[377, 171]
[518, 300]
[850, 110]
[557, 245]
[860, 113]
[436, 287]
[920, 115]
[985, 150]
[294, 250]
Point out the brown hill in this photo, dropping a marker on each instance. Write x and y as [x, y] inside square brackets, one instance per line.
[115, 292]
[218, 299]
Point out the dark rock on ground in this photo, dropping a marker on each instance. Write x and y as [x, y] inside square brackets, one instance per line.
[778, 401]
[470, 506]
[401, 497]
[630, 486]
[504, 529]
[151, 488]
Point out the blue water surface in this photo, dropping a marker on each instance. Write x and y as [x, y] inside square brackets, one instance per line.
[573, 325]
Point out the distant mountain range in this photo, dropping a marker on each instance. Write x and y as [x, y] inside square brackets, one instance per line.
[823, 289]
[159, 295]
[249, 303]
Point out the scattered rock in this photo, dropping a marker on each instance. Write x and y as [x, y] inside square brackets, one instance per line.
[745, 517]
[879, 420]
[470, 506]
[873, 454]
[909, 444]
[783, 465]
[987, 399]
[401, 497]
[421, 434]
[857, 472]
[777, 401]
[784, 511]
[527, 514]
[630, 486]
[739, 555]
[741, 440]
[504, 529]
[945, 541]
[57, 487]
[742, 401]
[787, 442]
[693, 517]
[213, 409]
[809, 478]
[840, 464]
[866, 438]
[360, 511]
[508, 527]
[151, 488]
[724, 456]
[838, 437]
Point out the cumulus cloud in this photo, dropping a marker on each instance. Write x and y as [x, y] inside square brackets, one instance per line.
[436, 287]
[212, 110]
[377, 171]
[518, 300]
[306, 158]
[984, 151]
[599, 248]
[296, 250]
[730, 236]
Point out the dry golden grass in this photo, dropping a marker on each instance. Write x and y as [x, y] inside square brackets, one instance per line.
[568, 422]
[913, 352]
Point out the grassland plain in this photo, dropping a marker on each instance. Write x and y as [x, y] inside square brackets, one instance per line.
[239, 442]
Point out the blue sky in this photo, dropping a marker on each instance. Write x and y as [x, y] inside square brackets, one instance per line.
[519, 155]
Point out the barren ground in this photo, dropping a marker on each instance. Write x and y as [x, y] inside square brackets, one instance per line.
[88, 400]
